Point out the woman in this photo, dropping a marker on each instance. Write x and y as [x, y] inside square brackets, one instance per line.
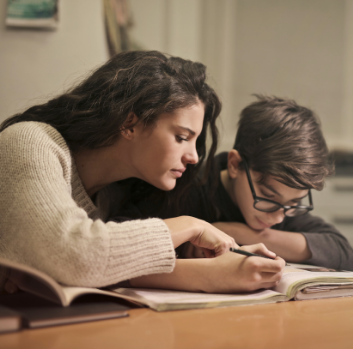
[141, 115]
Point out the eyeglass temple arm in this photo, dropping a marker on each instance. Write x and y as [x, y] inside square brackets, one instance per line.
[310, 200]
[249, 179]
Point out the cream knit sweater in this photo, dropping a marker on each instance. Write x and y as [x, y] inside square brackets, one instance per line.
[48, 221]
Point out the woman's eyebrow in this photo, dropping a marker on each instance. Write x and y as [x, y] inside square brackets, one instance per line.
[187, 129]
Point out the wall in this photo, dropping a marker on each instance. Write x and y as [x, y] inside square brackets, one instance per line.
[200, 30]
[293, 49]
[36, 64]
[301, 49]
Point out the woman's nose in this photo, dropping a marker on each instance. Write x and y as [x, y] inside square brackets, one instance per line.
[191, 156]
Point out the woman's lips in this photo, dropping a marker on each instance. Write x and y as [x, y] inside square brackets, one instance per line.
[178, 172]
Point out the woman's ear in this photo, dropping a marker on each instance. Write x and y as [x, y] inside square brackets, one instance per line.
[234, 159]
[127, 130]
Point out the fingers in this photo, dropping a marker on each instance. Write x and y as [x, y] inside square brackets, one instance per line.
[199, 233]
[213, 240]
[224, 244]
[265, 267]
[259, 272]
[271, 277]
[259, 249]
[269, 284]
[264, 273]
[269, 280]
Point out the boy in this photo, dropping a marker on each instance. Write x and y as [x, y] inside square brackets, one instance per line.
[261, 189]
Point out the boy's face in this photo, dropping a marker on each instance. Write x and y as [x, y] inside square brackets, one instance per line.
[239, 191]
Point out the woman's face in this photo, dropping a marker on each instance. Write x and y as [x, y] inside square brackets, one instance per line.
[161, 153]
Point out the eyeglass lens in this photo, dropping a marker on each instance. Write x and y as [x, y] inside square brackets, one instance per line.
[266, 206]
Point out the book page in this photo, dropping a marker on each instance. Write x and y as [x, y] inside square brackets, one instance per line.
[72, 293]
[33, 281]
[40, 284]
[326, 288]
[297, 277]
[170, 300]
[325, 292]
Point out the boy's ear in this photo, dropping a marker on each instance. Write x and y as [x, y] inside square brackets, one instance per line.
[234, 159]
[127, 130]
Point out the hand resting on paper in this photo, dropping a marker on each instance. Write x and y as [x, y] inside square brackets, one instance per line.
[227, 273]
[245, 274]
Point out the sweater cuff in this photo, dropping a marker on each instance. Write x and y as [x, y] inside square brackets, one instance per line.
[140, 247]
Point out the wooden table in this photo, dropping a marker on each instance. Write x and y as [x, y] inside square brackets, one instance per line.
[308, 324]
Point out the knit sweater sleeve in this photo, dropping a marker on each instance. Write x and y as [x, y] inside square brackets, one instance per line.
[41, 224]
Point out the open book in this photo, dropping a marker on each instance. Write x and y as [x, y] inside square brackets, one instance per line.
[299, 282]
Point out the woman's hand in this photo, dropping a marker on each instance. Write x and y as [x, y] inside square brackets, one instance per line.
[211, 240]
[233, 272]
[228, 273]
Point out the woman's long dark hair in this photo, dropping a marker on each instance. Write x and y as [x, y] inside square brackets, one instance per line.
[147, 83]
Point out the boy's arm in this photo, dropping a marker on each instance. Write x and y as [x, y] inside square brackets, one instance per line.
[291, 246]
[298, 239]
[328, 246]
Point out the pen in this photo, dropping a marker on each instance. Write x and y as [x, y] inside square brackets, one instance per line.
[249, 254]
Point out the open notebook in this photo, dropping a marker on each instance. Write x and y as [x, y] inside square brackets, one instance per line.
[299, 282]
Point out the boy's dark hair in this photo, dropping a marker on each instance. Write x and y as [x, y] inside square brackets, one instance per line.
[147, 83]
[282, 139]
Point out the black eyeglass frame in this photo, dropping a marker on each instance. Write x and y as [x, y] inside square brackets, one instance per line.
[285, 208]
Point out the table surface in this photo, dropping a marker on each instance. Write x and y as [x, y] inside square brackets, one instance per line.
[302, 324]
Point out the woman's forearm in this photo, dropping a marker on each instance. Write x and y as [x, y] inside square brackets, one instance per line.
[229, 272]
[184, 277]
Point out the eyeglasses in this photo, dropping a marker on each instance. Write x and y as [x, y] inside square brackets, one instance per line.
[266, 205]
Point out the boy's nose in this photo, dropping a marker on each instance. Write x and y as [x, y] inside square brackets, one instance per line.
[277, 216]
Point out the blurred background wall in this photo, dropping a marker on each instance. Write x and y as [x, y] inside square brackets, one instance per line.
[36, 64]
[301, 49]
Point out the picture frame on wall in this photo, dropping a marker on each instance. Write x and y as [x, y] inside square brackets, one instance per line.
[35, 14]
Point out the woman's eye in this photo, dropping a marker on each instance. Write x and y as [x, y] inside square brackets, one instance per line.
[181, 139]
